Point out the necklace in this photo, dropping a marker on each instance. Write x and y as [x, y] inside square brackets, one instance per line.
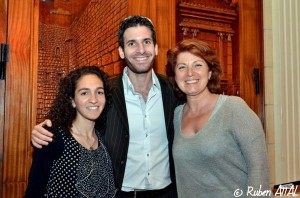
[83, 141]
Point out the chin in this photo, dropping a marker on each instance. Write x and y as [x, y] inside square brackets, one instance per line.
[192, 94]
[94, 117]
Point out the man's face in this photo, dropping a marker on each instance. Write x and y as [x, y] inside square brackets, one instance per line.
[139, 50]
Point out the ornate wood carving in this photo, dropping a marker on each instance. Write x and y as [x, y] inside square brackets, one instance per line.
[213, 22]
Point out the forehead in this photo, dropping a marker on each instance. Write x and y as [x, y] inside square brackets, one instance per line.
[137, 33]
[188, 56]
[89, 80]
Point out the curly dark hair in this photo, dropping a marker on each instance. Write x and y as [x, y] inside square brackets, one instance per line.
[134, 21]
[62, 114]
[202, 50]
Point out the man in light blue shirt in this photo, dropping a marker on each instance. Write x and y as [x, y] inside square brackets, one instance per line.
[147, 165]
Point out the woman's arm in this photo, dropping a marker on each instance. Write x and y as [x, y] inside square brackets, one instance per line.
[251, 139]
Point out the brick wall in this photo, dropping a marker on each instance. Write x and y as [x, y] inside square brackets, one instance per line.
[90, 40]
[53, 63]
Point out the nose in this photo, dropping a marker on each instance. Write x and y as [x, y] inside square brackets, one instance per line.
[190, 71]
[93, 98]
[141, 48]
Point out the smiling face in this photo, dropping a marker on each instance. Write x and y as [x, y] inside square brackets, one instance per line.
[191, 74]
[139, 49]
[89, 99]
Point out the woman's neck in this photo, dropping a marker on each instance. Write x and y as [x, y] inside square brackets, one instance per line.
[84, 129]
[201, 103]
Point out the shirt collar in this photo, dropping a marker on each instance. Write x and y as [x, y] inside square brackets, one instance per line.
[128, 85]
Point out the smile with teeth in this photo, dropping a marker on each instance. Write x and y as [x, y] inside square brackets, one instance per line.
[141, 58]
[92, 108]
[191, 81]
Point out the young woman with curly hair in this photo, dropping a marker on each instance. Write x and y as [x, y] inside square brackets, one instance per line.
[77, 163]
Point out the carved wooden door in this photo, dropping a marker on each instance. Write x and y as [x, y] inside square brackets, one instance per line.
[234, 29]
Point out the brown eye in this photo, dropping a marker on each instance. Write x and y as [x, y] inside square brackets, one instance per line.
[148, 42]
[131, 44]
[101, 92]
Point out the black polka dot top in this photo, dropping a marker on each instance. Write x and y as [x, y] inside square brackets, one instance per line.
[80, 172]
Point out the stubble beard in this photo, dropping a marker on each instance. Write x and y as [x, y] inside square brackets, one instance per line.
[135, 69]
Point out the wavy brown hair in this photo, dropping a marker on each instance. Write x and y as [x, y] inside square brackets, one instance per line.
[202, 50]
[62, 114]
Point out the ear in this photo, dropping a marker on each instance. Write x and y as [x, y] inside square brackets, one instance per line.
[209, 75]
[121, 52]
[156, 49]
[73, 103]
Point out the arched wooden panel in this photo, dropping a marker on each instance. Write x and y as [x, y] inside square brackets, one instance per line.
[215, 23]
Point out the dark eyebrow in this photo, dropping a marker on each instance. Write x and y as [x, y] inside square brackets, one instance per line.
[84, 89]
[130, 41]
[145, 39]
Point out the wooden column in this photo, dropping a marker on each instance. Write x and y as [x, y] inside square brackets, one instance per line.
[18, 96]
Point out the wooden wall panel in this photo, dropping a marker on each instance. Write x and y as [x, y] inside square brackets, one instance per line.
[138, 7]
[2, 91]
[250, 52]
[3, 13]
[3, 18]
[17, 98]
[14, 190]
[166, 31]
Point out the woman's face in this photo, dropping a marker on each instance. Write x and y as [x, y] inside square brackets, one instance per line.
[89, 99]
[191, 74]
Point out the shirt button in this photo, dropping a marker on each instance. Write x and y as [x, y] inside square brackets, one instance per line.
[122, 162]
[148, 155]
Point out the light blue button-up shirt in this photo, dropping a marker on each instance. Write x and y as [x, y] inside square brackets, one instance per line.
[147, 165]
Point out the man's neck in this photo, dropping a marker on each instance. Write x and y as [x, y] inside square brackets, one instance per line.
[141, 82]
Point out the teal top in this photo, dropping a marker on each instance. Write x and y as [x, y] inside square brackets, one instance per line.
[228, 155]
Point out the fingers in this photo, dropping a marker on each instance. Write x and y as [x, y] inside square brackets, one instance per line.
[40, 136]
[37, 143]
[47, 122]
